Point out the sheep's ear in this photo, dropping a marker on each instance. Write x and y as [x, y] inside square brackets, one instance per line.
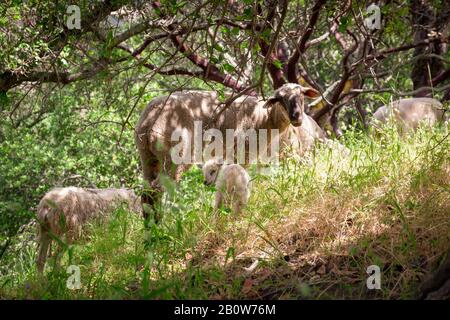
[311, 93]
[271, 100]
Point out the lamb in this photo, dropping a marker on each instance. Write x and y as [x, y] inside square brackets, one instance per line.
[232, 184]
[177, 113]
[409, 113]
[64, 211]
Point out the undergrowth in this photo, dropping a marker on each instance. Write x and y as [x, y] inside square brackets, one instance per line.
[311, 229]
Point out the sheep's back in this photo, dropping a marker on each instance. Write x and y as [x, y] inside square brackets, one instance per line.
[246, 112]
[68, 209]
[408, 113]
[234, 180]
[61, 210]
[178, 111]
[413, 111]
[116, 197]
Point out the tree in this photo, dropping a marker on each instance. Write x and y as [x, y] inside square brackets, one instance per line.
[429, 67]
[323, 44]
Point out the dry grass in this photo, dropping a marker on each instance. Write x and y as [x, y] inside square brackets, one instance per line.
[317, 243]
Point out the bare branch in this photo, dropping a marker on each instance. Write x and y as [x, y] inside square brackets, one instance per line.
[347, 72]
[317, 40]
[293, 60]
[444, 75]
[211, 72]
[276, 73]
[355, 92]
[385, 53]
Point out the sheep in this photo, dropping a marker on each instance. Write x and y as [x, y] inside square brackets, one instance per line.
[232, 184]
[179, 111]
[301, 139]
[409, 113]
[64, 211]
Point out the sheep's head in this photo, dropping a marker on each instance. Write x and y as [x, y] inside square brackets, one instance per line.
[211, 171]
[292, 97]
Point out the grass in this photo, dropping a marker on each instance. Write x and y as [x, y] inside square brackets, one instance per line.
[312, 228]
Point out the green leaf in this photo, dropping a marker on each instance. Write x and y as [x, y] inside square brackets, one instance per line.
[248, 12]
[265, 35]
[214, 60]
[4, 100]
[235, 31]
[218, 47]
[228, 67]
[278, 64]
[343, 23]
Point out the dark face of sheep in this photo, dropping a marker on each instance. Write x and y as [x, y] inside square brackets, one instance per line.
[292, 97]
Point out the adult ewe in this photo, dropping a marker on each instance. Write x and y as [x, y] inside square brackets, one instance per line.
[409, 113]
[64, 211]
[177, 113]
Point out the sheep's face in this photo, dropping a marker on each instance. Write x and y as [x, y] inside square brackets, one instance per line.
[292, 97]
[210, 171]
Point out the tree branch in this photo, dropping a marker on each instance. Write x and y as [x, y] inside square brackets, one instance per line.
[211, 72]
[267, 49]
[385, 53]
[444, 75]
[169, 72]
[293, 60]
[355, 92]
[9, 80]
[347, 72]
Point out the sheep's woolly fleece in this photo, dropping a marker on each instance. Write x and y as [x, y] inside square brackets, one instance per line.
[67, 209]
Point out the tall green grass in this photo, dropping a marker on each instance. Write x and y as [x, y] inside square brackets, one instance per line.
[314, 224]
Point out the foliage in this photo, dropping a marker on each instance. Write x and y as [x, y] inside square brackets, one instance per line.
[69, 100]
[386, 203]
[85, 141]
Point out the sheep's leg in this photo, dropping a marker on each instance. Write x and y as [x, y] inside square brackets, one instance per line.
[150, 167]
[57, 257]
[151, 196]
[239, 198]
[62, 246]
[219, 201]
[44, 242]
[180, 170]
[173, 170]
[49, 254]
[149, 200]
[237, 208]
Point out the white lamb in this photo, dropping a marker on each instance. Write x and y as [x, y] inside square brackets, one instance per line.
[232, 184]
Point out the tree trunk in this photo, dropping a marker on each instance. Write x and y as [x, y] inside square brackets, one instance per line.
[426, 22]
